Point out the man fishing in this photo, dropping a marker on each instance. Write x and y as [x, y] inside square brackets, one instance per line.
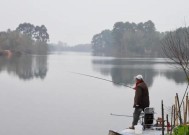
[141, 99]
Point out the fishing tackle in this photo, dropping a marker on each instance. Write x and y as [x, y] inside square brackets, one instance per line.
[101, 79]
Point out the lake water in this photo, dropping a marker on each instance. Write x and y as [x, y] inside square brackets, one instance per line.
[40, 95]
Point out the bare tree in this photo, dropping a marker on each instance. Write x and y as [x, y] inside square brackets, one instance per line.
[175, 47]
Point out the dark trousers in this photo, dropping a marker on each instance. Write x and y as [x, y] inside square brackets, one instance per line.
[136, 116]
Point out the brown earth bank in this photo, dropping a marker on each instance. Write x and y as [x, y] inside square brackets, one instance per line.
[9, 53]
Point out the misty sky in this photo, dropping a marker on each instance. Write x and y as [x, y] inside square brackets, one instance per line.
[76, 21]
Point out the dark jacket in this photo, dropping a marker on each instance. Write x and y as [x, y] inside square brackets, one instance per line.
[141, 99]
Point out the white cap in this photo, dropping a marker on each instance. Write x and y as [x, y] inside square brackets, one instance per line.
[139, 77]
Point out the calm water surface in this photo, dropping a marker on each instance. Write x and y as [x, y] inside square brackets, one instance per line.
[40, 96]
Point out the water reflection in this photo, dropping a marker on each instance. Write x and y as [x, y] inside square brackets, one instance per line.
[25, 67]
[123, 70]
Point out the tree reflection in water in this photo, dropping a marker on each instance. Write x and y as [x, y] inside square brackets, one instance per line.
[26, 67]
[123, 70]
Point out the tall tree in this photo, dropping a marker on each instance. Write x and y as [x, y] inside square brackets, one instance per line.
[149, 26]
[129, 39]
[102, 42]
[27, 29]
[117, 33]
[34, 32]
[41, 33]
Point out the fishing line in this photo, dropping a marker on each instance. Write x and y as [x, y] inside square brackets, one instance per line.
[107, 81]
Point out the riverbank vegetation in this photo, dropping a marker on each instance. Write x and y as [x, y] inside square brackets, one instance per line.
[26, 38]
[125, 39]
[175, 46]
[129, 40]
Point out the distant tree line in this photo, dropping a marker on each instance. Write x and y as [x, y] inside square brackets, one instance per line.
[129, 39]
[60, 46]
[27, 38]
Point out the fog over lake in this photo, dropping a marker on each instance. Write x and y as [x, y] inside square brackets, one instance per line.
[40, 95]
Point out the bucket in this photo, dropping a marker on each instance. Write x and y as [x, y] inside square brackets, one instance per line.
[138, 129]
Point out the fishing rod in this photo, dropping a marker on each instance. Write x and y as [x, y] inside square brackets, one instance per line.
[120, 115]
[101, 79]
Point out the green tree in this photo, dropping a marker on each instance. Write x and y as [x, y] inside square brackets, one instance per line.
[25, 39]
[149, 26]
[129, 39]
[102, 42]
[117, 33]
[26, 29]
[41, 33]
[34, 32]
[3, 40]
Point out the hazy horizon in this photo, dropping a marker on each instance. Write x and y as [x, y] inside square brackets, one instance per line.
[75, 22]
